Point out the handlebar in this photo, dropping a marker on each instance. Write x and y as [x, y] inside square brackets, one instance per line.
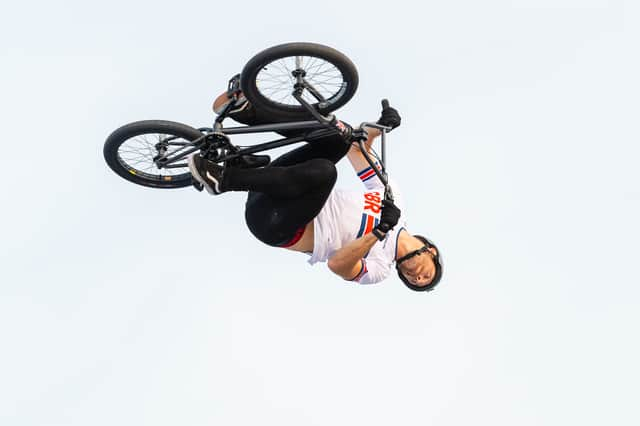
[330, 121]
[382, 174]
[375, 126]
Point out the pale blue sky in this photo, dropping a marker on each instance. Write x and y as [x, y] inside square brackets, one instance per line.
[517, 154]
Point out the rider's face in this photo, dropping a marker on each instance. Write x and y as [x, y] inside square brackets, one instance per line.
[421, 269]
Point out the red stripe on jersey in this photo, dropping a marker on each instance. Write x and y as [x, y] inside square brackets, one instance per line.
[363, 270]
[367, 175]
[370, 222]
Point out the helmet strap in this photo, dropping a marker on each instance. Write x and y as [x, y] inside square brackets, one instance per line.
[412, 254]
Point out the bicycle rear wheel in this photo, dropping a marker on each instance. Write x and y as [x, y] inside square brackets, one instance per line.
[268, 79]
[130, 151]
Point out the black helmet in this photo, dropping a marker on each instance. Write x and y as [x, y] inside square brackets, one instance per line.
[436, 260]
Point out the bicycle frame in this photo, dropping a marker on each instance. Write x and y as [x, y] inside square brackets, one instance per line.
[216, 138]
[211, 136]
[315, 130]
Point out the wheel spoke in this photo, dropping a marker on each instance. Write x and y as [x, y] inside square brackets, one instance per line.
[138, 152]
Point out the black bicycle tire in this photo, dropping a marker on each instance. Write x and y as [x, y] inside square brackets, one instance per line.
[126, 132]
[283, 112]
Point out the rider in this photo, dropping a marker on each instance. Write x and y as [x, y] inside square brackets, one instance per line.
[292, 204]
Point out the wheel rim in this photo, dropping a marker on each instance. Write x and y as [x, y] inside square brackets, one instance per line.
[136, 154]
[275, 80]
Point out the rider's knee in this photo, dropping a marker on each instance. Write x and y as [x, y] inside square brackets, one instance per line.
[268, 225]
[324, 171]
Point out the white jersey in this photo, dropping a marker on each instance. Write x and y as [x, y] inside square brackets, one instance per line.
[347, 216]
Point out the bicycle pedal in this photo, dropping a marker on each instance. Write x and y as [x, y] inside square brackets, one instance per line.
[197, 185]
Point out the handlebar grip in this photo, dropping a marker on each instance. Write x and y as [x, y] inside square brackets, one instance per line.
[385, 103]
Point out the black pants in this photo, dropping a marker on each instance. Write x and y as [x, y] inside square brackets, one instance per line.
[291, 190]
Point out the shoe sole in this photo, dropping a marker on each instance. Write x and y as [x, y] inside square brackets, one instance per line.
[196, 175]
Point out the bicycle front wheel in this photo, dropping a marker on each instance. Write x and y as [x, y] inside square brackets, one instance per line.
[268, 79]
[130, 152]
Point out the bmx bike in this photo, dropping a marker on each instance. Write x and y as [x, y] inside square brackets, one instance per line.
[300, 82]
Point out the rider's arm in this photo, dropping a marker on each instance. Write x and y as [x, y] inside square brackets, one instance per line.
[355, 156]
[348, 261]
[390, 118]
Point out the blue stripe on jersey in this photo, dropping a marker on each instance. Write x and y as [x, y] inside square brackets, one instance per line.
[363, 224]
[360, 173]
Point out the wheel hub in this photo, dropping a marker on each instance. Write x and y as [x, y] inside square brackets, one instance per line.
[299, 73]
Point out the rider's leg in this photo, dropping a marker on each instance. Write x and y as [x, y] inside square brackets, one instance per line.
[276, 220]
[306, 177]
[286, 195]
[285, 182]
[249, 115]
[281, 201]
[293, 173]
